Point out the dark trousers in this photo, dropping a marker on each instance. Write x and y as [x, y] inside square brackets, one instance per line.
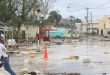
[7, 67]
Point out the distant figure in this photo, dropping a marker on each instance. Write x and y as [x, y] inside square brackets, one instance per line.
[4, 58]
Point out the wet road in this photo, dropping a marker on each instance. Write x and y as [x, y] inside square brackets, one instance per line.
[60, 61]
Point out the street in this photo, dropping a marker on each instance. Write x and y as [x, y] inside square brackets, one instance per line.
[93, 59]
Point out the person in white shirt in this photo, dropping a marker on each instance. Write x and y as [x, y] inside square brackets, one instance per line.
[5, 59]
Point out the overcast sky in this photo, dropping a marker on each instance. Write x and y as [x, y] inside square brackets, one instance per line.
[99, 8]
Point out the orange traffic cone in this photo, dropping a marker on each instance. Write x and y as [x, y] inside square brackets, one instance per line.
[45, 53]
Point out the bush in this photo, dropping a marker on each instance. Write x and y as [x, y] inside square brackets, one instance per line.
[92, 33]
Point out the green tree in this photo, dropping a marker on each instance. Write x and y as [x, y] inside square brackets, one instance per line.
[7, 10]
[54, 18]
[65, 21]
[23, 14]
[58, 18]
[18, 12]
[77, 20]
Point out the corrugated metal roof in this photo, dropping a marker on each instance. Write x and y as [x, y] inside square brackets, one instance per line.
[3, 24]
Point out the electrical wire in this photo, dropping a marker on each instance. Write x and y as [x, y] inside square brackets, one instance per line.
[102, 5]
[97, 7]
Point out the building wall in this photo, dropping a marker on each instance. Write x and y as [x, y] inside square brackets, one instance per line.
[93, 26]
[31, 32]
[104, 25]
[59, 32]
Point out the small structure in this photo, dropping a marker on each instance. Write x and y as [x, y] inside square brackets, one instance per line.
[4, 28]
[58, 32]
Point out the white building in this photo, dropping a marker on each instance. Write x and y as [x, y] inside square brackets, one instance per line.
[90, 27]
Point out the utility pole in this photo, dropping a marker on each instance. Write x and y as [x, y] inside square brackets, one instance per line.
[87, 9]
[37, 13]
[91, 23]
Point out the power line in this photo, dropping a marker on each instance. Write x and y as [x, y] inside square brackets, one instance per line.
[90, 8]
[103, 4]
[97, 7]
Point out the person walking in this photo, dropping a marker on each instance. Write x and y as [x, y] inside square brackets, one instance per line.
[5, 59]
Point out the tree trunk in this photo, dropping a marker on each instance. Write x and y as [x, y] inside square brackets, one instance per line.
[18, 33]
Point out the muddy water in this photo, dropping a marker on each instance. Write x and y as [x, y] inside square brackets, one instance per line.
[59, 60]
